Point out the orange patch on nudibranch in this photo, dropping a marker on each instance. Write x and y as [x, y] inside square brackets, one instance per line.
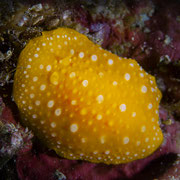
[85, 102]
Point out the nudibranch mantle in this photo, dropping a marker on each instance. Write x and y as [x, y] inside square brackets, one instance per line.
[85, 102]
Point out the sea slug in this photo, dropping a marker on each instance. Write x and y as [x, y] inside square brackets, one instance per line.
[85, 102]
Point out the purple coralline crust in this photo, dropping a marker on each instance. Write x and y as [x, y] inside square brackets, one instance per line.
[31, 166]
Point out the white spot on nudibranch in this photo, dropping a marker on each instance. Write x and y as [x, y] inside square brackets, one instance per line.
[138, 143]
[53, 124]
[41, 66]
[100, 98]
[50, 104]
[72, 51]
[143, 128]
[35, 78]
[31, 95]
[114, 83]
[149, 106]
[83, 140]
[99, 117]
[85, 83]
[73, 102]
[29, 107]
[126, 140]
[34, 116]
[74, 127]
[152, 89]
[48, 67]
[58, 112]
[107, 152]
[42, 122]
[131, 64]
[95, 152]
[127, 76]
[143, 89]
[37, 103]
[42, 87]
[28, 66]
[102, 139]
[81, 55]
[122, 107]
[94, 58]
[133, 114]
[36, 55]
[110, 61]
[72, 74]
[53, 134]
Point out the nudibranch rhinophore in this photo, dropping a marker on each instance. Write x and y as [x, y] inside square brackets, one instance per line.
[85, 102]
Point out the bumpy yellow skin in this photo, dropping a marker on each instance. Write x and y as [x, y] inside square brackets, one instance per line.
[85, 102]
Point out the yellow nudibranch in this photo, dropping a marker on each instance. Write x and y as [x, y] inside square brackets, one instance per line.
[85, 102]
